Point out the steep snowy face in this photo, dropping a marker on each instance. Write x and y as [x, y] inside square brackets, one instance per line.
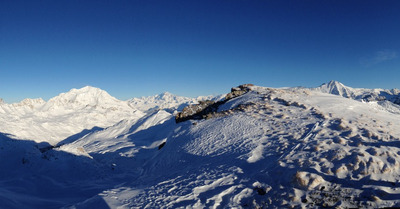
[336, 88]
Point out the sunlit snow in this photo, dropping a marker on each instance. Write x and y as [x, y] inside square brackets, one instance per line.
[294, 147]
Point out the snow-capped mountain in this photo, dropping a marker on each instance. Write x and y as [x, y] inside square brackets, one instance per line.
[64, 115]
[256, 148]
[337, 88]
[82, 98]
[165, 100]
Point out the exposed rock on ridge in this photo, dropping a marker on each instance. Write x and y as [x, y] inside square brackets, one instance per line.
[208, 109]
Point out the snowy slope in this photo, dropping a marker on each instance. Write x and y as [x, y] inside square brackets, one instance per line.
[285, 148]
[64, 115]
[80, 110]
[268, 148]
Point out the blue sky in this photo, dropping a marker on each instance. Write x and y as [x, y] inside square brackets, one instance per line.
[139, 48]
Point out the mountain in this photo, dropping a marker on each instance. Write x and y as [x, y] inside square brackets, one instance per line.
[79, 110]
[81, 98]
[337, 88]
[258, 147]
[165, 100]
[272, 148]
[64, 115]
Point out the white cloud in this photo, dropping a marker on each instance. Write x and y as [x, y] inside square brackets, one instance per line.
[379, 57]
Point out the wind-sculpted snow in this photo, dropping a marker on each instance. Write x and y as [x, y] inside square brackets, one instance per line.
[272, 148]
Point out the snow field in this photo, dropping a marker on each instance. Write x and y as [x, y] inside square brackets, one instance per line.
[274, 148]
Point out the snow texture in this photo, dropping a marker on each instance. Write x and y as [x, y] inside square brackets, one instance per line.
[292, 147]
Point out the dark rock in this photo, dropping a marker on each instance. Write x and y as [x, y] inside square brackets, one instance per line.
[238, 91]
[208, 109]
[198, 111]
[260, 191]
[161, 145]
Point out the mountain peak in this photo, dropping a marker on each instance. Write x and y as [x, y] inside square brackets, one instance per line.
[337, 88]
[87, 89]
[87, 95]
[164, 95]
[334, 83]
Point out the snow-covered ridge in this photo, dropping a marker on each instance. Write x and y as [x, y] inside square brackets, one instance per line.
[337, 88]
[161, 101]
[64, 115]
[165, 100]
[272, 148]
[285, 148]
[75, 98]
[78, 110]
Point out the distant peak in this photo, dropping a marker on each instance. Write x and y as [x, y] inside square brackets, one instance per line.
[29, 101]
[87, 89]
[334, 83]
[87, 95]
[165, 94]
[337, 88]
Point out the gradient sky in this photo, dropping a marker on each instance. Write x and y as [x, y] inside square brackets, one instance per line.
[138, 48]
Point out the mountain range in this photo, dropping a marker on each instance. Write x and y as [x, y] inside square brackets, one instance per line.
[254, 147]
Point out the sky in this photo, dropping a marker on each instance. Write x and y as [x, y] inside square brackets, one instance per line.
[133, 48]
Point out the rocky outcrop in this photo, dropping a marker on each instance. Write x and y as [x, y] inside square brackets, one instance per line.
[208, 109]
[238, 91]
[197, 111]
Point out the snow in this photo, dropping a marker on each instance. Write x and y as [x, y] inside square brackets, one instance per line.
[292, 147]
[64, 115]
[165, 100]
